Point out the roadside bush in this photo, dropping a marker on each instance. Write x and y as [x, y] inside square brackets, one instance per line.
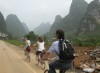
[15, 42]
[98, 44]
[31, 36]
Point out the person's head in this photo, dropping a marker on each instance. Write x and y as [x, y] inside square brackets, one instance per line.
[25, 39]
[60, 34]
[40, 39]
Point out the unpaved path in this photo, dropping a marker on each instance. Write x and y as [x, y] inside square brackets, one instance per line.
[13, 60]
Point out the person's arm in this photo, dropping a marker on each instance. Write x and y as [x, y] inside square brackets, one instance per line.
[51, 50]
[26, 44]
[46, 56]
[36, 45]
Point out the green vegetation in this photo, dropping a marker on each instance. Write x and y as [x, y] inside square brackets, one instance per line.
[49, 43]
[31, 36]
[87, 40]
[15, 42]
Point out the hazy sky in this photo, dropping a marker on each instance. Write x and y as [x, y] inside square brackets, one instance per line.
[34, 12]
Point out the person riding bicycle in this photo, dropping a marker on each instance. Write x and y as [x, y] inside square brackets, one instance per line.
[58, 64]
[27, 47]
[40, 44]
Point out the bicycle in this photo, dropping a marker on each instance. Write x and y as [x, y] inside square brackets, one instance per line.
[40, 61]
[70, 70]
[27, 53]
[47, 61]
[28, 56]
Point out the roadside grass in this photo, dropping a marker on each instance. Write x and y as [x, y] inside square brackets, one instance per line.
[15, 42]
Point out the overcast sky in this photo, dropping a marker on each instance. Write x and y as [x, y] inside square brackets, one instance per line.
[34, 12]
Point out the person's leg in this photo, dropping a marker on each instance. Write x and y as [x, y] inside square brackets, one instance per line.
[40, 57]
[65, 67]
[25, 51]
[60, 66]
[54, 65]
[37, 55]
[26, 55]
[29, 56]
[62, 70]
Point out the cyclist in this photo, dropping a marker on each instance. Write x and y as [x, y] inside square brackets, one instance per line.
[27, 48]
[61, 65]
[40, 44]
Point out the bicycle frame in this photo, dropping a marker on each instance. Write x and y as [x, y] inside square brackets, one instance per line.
[71, 70]
[40, 61]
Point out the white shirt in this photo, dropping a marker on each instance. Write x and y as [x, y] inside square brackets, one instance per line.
[54, 48]
[40, 46]
[28, 43]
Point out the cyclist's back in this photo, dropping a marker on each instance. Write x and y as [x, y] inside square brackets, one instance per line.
[27, 44]
[58, 64]
[40, 48]
[27, 49]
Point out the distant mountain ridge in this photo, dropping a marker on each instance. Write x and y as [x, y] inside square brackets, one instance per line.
[15, 27]
[90, 23]
[3, 26]
[83, 18]
[25, 27]
[70, 23]
[42, 28]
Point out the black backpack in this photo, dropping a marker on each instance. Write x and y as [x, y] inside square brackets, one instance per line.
[66, 51]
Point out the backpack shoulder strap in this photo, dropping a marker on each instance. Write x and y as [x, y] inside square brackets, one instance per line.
[60, 45]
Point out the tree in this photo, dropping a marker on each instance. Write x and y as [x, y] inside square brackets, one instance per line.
[31, 36]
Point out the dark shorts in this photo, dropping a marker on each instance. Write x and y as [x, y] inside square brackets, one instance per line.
[63, 67]
[38, 52]
[28, 49]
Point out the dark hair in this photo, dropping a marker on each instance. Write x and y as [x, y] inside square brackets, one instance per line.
[60, 34]
[40, 39]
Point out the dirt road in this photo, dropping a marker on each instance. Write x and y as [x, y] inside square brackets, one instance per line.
[12, 60]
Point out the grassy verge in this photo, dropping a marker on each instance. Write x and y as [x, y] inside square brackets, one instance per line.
[15, 42]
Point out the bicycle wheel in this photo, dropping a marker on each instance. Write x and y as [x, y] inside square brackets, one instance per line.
[41, 61]
[46, 71]
[28, 56]
[43, 65]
